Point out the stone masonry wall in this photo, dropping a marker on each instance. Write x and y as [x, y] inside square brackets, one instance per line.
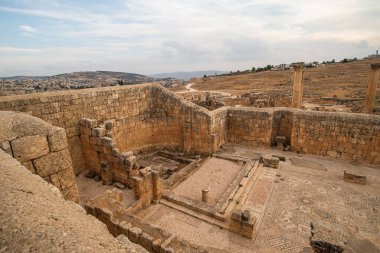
[65, 109]
[160, 125]
[150, 115]
[250, 126]
[338, 135]
[195, 129]
[282, 124]
[347, 136]
[41, 148]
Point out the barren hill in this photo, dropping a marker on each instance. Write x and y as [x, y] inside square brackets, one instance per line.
[67, 81]
[339, 81]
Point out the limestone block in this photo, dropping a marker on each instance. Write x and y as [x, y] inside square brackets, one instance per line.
[156, 245]
[128, 154]
[109, 124]
[168, 250]
[270, 161]
[98, 132]
[109, 134]
[246, 215]
[66, 178]
[119, 185]
[90, 123]
[91, 160]
[125, 227]
[71, 193]
[281, 158]
[57, 139]
[242, 223]
[115, 194]
[54, 180]
[107, 142]
[332, 154]
[130, 161]
[354, 177]
[29, 166]
[30, 147]
[6, 146]
[52, 163]
[85, 140]
[146, 240]
[86, 131]
[134, 234]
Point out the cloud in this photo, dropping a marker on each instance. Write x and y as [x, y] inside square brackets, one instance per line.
[163, 35]
[19, 50]
[26, 28]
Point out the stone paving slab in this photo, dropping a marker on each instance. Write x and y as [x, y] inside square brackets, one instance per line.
[216, 175]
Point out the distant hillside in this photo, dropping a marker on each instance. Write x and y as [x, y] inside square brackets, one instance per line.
[69, 81]
[187, 75]
[101, 75]
[89, 75]
[21, 78]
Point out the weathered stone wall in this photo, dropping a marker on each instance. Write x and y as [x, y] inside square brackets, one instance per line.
[102, 156]
[250, 126]
[108, 208]
[347, 136]
[213, 100]
[65, 109]
[339, 135]
[195, 130]
[41, 148]
[151, 116]
[282, 124]
[219, 127]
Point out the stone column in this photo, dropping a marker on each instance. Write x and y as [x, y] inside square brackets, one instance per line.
[205, 197]
[106, 173]
[298, 85]
[157, 186]
[371, 92]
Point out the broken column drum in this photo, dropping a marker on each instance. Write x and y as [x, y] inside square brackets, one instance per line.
[298, 85]
[205, 197]
[371, 92]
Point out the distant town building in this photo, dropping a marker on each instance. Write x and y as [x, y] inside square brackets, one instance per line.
[281, 66]
[373, 55]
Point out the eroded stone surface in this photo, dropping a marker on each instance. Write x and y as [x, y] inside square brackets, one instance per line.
[57, 139]
[354, 177]
[52, 163]
[34, 211]
[30, 147]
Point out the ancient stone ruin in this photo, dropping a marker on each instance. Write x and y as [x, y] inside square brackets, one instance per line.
[166, 175]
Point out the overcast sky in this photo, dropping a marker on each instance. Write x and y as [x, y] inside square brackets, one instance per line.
[45, 37]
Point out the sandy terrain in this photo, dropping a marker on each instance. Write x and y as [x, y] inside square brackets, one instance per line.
[89, 188]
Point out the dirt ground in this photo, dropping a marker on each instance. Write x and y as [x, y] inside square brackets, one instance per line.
[89, 188]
